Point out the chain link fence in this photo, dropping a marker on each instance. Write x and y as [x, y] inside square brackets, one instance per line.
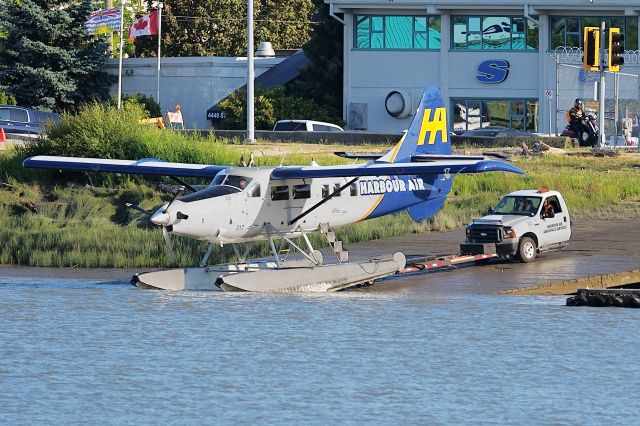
[622, 90]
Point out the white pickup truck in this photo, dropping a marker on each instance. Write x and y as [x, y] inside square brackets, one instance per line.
[523, 224]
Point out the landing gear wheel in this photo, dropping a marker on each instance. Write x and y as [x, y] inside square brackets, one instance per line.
[526, 249]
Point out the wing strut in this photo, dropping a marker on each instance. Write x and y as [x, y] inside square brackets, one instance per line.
[324, 200]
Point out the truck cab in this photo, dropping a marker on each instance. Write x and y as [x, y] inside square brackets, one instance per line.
[523, 224]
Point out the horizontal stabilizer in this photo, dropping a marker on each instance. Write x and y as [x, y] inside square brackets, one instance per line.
[146, 166]
[358, 156]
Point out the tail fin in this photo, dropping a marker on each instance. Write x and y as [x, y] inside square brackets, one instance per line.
[427, 133]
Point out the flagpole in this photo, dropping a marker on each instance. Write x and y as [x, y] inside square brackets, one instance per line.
[160, 5]
[120, 58]
[250, 74]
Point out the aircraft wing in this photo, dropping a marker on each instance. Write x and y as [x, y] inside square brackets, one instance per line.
[146, 166]
[396, 169]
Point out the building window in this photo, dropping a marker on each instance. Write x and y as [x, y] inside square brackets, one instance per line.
[568, 31]
[471, 114]
[389, 32]
[494, 33]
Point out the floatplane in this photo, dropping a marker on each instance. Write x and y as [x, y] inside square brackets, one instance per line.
[245, 204]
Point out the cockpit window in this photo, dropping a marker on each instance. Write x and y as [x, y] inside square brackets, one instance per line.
[239, 182]
[210, 192]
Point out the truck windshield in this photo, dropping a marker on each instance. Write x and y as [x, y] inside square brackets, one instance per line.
[521, 205]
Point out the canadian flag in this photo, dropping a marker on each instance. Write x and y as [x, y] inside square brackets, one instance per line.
[146, 25]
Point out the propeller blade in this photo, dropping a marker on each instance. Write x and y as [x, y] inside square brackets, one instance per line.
[167, 242]
[140, 209]
[176, 195]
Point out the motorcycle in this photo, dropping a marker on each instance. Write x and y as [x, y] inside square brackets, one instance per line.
[588, 134]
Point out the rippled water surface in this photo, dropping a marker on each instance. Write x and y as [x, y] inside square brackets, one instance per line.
[84, 351]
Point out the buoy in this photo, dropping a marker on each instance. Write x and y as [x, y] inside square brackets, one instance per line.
[3, 137]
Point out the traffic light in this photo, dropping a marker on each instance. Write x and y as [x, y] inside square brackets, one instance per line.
[591, 49]
[616, 49]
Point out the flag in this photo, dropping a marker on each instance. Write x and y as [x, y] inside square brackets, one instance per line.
[104, 21]
[146, 25]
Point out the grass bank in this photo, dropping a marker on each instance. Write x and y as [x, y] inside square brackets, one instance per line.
[47, 220]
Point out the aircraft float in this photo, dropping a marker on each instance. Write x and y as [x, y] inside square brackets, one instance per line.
[245, 204]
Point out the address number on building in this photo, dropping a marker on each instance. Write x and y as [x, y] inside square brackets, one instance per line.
[215, 115]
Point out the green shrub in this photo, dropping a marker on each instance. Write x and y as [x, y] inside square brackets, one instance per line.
[148, 103]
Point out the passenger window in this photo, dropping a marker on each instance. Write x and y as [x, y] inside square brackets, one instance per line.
[255, 191]
[301, 191]
[321, 128]
[280, 192]
[325, 191]
[336, 188]
[353, 189]
[555, 204]
[4, 114]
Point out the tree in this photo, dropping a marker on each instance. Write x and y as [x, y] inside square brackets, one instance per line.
[48, 60]
[322, 80]
[218, 27]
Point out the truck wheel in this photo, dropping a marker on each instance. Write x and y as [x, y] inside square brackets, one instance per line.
[526, 249]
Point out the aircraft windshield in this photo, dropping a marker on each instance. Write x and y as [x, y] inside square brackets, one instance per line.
[209, 192]
[236, 181]
[521, 205]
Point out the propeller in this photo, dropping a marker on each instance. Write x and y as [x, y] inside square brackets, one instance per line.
[165, 228]
[168, 244]
[175, 195]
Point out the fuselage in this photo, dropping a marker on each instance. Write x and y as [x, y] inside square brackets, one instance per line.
[241, 200]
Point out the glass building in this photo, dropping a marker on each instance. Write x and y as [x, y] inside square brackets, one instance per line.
[489, 59]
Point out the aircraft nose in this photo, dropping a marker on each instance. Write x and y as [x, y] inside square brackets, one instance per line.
[161, 217]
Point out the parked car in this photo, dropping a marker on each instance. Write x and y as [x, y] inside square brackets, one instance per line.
[24, 121]
[305, 126]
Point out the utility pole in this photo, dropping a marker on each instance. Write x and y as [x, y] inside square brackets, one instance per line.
[250, 74]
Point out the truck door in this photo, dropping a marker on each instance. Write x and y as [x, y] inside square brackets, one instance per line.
[556, 229]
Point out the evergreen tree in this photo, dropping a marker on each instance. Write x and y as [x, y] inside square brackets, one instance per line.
[218, 27]
[322, 80]
[49, 61]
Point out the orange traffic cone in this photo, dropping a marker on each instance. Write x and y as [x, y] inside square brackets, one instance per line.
[3, 137]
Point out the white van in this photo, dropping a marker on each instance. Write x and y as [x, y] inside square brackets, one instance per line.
[305, 126]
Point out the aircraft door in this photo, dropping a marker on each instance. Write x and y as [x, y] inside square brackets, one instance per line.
[254, 199]
[555, 221]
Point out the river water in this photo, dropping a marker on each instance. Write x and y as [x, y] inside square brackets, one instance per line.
[84, 351]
